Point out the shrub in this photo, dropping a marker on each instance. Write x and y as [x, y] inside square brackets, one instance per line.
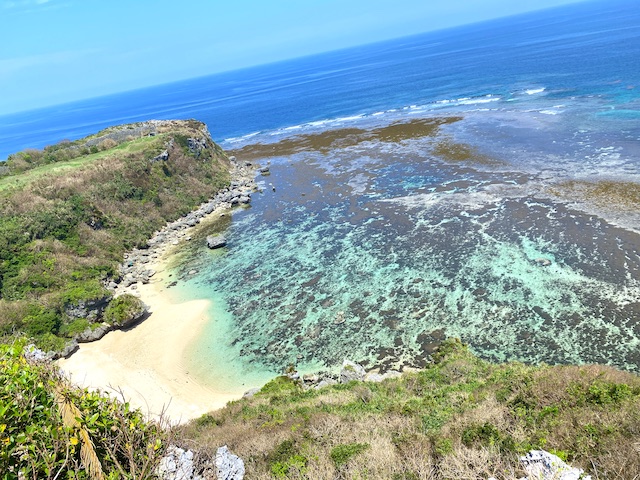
[124, 310]
[341, 454]
[49, 429]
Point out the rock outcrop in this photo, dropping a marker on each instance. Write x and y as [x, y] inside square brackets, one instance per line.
[542, 465]
[351, 371]
[216, 241]
[177, 464]
[228, 466]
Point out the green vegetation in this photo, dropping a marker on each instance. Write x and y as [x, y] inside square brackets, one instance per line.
[69, 212]
[460, 417]
[49, 429]
[123, 310]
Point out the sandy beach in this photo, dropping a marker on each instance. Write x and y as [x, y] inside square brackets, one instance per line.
[147, 362]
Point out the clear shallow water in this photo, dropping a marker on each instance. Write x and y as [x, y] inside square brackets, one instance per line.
[412, 247]
[413, 184]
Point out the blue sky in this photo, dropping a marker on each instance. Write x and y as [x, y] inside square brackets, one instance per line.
[55, 51]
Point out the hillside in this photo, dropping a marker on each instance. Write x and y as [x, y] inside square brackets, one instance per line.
[459, 418]
[69, 212]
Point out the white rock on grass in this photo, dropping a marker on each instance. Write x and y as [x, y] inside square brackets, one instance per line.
[177, 464]
[228, 466]
[542, 465]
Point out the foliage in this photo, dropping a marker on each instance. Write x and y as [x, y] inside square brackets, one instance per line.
[49, 429]
[340, 454]
[123, 309]
[70, 211]
[286, 461]
[460, 417]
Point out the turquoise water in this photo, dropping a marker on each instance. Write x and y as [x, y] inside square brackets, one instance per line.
[388, 230]
[378, 250]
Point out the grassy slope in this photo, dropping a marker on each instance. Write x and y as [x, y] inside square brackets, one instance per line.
[461, 417]
[50, 429]
[69, 212]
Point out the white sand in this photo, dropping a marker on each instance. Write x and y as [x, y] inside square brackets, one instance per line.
[147, 363]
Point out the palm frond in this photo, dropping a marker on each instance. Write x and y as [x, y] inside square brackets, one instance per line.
[71, 417]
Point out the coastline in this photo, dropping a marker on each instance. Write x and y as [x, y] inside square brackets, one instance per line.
[146, 364]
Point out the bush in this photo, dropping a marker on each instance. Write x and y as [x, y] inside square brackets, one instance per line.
[49, 429]
[41, 321]
[124, 310]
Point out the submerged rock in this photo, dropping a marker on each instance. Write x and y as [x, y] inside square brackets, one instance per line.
[543, 262]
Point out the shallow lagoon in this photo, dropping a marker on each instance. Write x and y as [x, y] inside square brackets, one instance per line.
[380, 241]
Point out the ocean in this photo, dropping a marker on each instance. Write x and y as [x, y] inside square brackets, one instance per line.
[480, 182]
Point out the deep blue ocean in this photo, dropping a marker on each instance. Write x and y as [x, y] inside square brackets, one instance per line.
[579, 52]
[476, 182]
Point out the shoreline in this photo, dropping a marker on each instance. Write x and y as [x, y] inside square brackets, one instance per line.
[146, 365]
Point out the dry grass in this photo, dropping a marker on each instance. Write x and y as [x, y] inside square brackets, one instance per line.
[461, 418]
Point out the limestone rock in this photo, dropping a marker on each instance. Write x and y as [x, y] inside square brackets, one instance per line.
[163, 157]
[543, 262]
[177, 464]
[351, 371]
[373, 377]
[34, 354]
[216, 241]
[91, 335]
[89, 309]
[325, 382]
[228, 466]
[251, 392]
[391, 374]
[542, 465]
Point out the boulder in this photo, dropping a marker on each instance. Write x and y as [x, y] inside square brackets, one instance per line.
[163, 157]
[228, 466]
[325, 382]
[351, 371]
[34, 354]
[89, 309]
[251, 392]
[65, 352]
[391, 374]
[216, 241]
[542, 465]
[91, 335]
[373, 377]
[177, 464]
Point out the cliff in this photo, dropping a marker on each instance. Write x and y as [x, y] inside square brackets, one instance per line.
[69, 212]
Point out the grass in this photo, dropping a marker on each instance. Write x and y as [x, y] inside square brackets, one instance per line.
[75, 208]
[54, 169]
[461, 417]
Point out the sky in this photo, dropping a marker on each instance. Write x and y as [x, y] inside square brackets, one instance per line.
[56, 51]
